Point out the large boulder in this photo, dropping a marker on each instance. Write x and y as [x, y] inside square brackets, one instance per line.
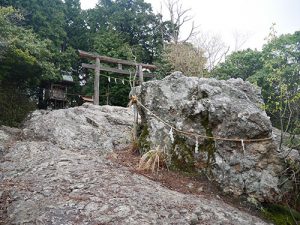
[230, 109]
[87, 127]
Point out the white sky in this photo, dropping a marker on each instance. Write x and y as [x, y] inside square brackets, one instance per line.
[247, 17]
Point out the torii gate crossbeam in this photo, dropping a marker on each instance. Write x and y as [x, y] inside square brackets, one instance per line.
[97, 67]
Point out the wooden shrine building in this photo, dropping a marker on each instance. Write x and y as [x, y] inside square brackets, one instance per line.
[54, 94]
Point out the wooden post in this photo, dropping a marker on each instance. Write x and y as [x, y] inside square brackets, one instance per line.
[135, 122]
[141, 75]
[97, 82]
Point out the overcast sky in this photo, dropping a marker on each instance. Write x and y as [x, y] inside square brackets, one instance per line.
[251, 18]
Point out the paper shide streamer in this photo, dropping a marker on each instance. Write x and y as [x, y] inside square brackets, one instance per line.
[197, 146]
[171, 135]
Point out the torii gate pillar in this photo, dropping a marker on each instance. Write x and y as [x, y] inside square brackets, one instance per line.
[97, 82]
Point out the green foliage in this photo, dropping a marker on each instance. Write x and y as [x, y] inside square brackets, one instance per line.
[66, 60]
[119, 94]
[7, 31]
[46, 18]
[280, 215]
[291, 176]
[208, 145]
[143, 143]
[77, 35]
[182, 155]
[15, 106]
[111, 43]
[134, 21]
[240, 64]
[25, 60]
[280, 80]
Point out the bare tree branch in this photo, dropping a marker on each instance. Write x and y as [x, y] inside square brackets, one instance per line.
[179, 18]
[191, 34]
[240, 39]
[214, 48]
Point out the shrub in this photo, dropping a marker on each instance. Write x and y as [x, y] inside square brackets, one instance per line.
[14, 106]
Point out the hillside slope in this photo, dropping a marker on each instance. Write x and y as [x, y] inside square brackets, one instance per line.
[56, 171]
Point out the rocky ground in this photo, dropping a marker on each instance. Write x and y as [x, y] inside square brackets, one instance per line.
[56, 170]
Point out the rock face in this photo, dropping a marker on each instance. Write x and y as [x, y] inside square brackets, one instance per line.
[228, 109]
[86, 127]
[56, 172]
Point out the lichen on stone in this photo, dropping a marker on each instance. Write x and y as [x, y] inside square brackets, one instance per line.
[143, 143]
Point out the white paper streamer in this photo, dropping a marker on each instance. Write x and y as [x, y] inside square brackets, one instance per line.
[197, 146]
[109, 79]
[115, 80]
[123, 82]
[242, 141]
[171, 135]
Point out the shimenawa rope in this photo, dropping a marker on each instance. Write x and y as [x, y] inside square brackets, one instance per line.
[134, 100]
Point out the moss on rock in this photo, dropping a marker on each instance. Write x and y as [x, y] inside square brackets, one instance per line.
[182, 157]
[208, 145]
[143, 142]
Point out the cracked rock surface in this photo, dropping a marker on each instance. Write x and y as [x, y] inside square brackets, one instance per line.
[219, 109]
[57, 172]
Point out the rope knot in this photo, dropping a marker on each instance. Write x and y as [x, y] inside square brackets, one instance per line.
[133, 99]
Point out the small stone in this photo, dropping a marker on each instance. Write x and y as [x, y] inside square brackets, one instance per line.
[91, 207]
[190, 185]
[183, 211]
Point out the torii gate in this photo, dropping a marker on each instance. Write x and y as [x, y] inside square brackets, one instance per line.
[97, 67]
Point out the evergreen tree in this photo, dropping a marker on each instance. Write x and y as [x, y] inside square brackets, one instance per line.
[25, 62]
[46, 18]
[134, 21]
[240, 64]
[77, 35]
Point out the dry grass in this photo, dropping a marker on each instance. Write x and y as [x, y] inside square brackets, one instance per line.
[152, 160]
[134, 148]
